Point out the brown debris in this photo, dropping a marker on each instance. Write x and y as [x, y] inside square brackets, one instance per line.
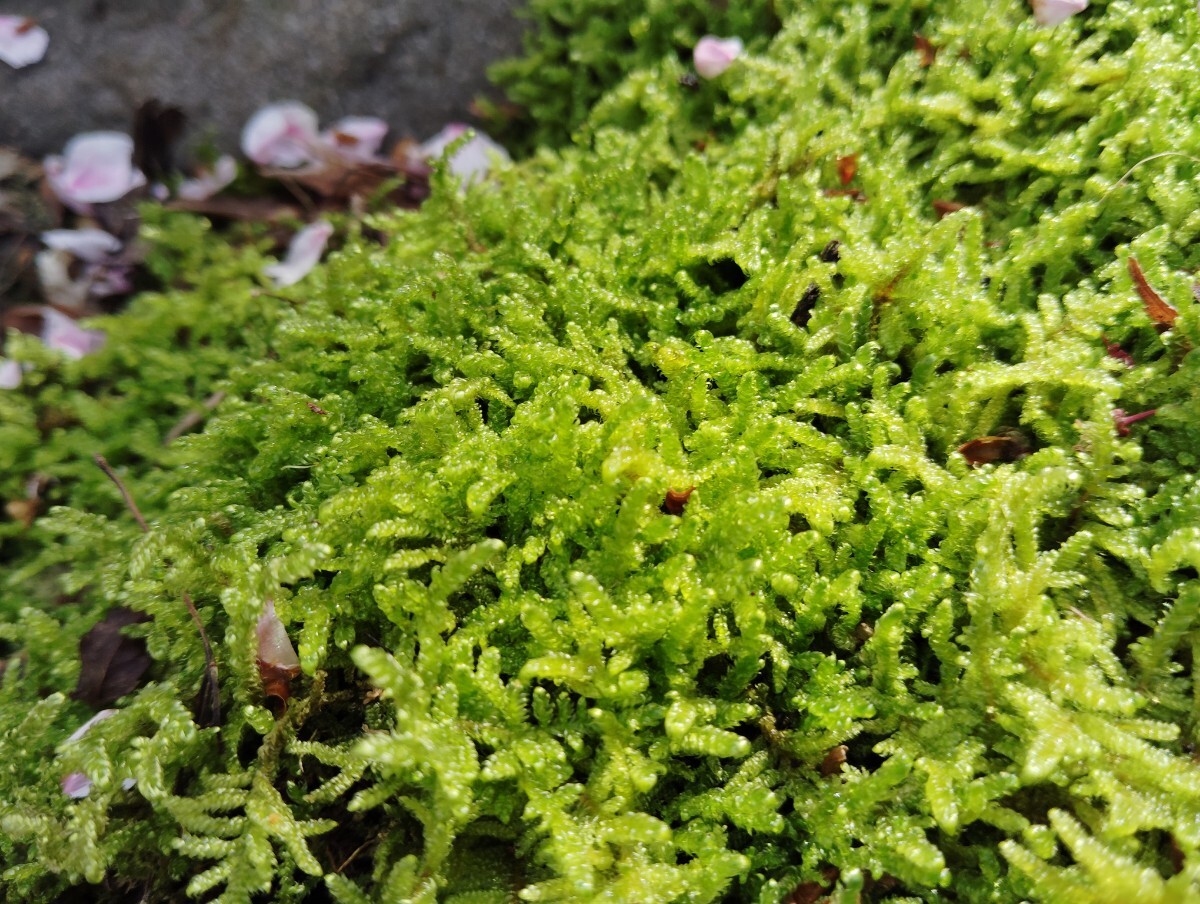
[925, 48]
[943, 208]
[813, 891]
[831, 253]
[112, 664]
[676, 500]
[1159, 309]
[277, 680]
[1008, 447]
[856, 194]
[834, 760]
[804, 307]
[847, 168]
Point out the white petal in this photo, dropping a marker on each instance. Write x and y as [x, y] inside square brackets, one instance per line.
[62, 333]
[92, 245]
[274, 645]
[87, 726]
[356, 137]
[59, 287]
[96, 167]
[208, 184]
[714, 55]
[304, 253]
[471, 161]
[22, 42]
[1052, 12]
[283, 134]
[10, 374]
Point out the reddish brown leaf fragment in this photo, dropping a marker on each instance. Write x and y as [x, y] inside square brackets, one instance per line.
[112, 663]
[316, 409]
[1114, 350]
[834, 760]
[926, 50]
[943, 207]
[1157, 307]
[856, 194]
[989, 449]
[847, 168]
[1123, 420]
[676, 500]
[813, 891]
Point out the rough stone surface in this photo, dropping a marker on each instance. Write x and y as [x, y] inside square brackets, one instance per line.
[416, 63]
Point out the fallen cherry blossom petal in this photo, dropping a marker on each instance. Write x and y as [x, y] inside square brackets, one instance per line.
[96, 167]
[1052, 12]
[76, 785]
[87, 726]
[10, 374]
[303, 254]
[282, 134]
[91, 245]
[59, 287]
[356, 137]
[278, 663]
[713, 55]
[22, 41]
[208, 183]
[472, 160]
[63, 334]
[274, 645]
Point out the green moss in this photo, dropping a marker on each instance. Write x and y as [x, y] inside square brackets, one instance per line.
[522, 677]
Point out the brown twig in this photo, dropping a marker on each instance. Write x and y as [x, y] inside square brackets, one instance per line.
[194, 418]
[209, 689]
[129, 503]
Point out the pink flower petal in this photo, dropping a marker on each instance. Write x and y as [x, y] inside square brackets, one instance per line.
[1052, 12]
[714, 55]
[10, 374]
[471, 161]
[95, 168]
[62, 333]
[209, 183]
[76, 785]
[22, 41]
[356, 137]
[304, 253]
[91, 245]
[283, 134]
[274, 645]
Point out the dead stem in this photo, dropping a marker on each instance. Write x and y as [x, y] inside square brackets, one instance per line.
[209, 689]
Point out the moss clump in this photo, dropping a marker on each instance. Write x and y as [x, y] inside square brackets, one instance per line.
[446, 461]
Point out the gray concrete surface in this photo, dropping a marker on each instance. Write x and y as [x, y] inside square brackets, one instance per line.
[416, 63]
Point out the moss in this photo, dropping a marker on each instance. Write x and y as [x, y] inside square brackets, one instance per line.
[851, 662]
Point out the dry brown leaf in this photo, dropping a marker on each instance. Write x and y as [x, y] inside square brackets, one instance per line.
[1159, 309]
[989, 449]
